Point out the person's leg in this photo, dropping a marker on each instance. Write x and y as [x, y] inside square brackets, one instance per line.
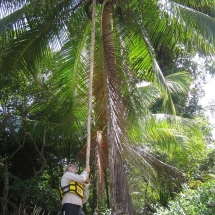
[81, 212]
[70, 209]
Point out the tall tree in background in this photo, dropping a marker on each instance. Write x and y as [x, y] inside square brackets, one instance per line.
[128, 34]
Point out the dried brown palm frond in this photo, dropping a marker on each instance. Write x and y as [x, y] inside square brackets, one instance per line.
[120, 197]
[144, 171]
[99, 160]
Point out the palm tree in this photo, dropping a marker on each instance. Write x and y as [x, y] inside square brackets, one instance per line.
[128, 35]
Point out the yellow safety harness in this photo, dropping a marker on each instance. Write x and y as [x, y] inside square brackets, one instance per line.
[72, 187]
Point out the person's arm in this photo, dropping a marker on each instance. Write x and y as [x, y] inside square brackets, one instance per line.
[75, 177]
[78, 178]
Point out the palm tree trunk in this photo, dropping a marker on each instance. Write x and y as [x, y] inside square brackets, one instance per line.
[120, 197]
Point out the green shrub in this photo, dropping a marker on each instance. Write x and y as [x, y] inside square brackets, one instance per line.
[192, 202]
[36, 193]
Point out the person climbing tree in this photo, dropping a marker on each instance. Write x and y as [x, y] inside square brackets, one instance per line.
[74, 190]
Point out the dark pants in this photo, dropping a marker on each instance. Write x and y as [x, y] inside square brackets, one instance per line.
[71, 209]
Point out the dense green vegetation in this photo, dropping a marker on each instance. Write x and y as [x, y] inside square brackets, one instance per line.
[199, 201]
[150, 143]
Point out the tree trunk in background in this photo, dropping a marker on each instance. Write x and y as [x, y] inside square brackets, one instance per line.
[6, 191]
[95, 196]
[107, 190]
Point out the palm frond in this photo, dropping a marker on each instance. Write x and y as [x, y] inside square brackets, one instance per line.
[197, 26]
[178, 82]
[172, 131]
[34, 35]
[141, 54]
[144, 170]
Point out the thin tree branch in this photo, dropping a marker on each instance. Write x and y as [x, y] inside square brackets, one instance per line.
[90, 83]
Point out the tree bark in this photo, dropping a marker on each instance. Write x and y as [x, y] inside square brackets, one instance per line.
[107, 190]
[6, 190]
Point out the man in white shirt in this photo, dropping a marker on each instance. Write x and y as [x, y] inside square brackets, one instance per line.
[72, 201]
